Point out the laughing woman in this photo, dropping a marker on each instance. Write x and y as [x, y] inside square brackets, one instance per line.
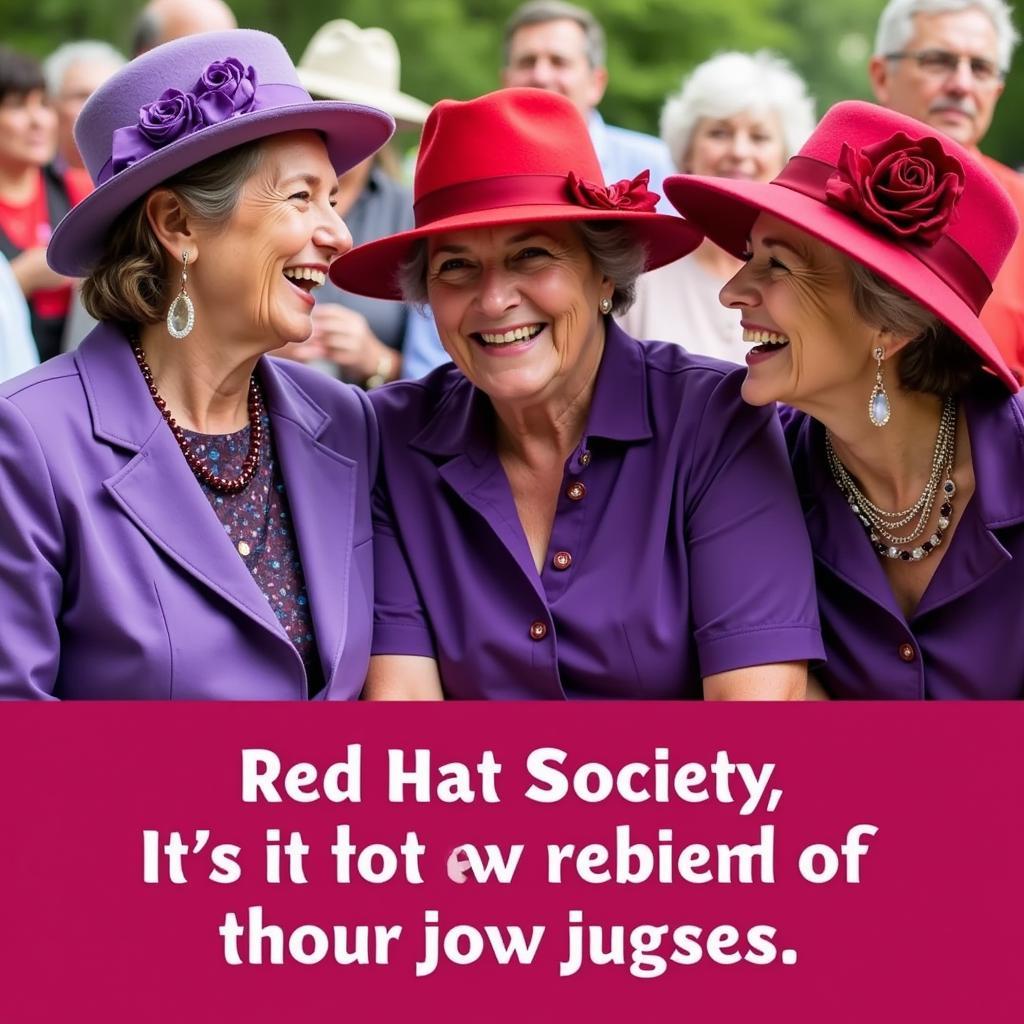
[180, 516]
[868, 261]
[567, 512]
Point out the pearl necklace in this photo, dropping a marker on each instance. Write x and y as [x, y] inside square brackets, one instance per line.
[202, 472]
[882, 525]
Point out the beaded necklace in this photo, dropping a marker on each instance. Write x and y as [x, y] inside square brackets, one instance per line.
[202, 472]
[882, 525]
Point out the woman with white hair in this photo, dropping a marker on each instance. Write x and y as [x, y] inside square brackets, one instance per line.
[740, 116]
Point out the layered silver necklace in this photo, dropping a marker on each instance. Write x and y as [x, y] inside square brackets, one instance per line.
[883, 527]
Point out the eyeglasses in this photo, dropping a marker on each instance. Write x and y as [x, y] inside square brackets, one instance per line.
[942, 63]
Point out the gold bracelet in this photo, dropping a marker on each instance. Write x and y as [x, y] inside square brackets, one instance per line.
[385, 370]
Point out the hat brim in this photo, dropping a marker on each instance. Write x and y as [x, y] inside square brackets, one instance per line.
[407, 111]
[372, 269]
[351, 132]
[725, 210]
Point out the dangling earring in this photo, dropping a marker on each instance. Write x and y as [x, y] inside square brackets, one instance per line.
[605, 305]
[879, 409]
[181, 317]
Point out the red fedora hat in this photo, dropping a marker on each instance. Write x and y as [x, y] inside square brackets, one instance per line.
[908, 203]
[515, 156]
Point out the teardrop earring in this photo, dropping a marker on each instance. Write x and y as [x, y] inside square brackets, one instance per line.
[879, 409]
[181, 317]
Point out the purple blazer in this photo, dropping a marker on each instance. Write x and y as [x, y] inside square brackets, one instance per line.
[966, 637]
[117, 581]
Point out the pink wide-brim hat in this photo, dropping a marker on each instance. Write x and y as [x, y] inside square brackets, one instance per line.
[515, 156]
[182, 103]
[883, 189]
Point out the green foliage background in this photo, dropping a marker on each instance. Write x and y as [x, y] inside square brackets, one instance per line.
[452, 47]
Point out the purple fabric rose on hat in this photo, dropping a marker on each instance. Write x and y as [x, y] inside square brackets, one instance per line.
[174, 114]
[225, 89]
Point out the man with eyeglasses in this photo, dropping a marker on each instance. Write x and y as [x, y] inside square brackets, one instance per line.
[943, 62]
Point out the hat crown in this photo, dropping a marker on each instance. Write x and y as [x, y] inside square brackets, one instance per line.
[504, 134]
[984, 222]
[367, 56]
[175, 65]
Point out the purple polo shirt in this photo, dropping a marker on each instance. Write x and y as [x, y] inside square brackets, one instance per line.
[966, 637]
[677, 552]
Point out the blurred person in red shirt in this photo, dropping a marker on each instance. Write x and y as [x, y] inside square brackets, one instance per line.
[33, 197]
[945, 63]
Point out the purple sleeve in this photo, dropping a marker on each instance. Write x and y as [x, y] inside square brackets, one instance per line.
[31, 556]
[399, 623]
[752, 591]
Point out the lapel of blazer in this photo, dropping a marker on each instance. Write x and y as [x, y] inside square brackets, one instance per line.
[321, 486]
[155, 489]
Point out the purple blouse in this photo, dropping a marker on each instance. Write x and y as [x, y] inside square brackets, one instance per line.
[966, 637]
[677, 549]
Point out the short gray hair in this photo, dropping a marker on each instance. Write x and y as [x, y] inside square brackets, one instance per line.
[85, 51]
[537, 12]
[938, 361]
[896, 24]
[731, 83]
[615, 250]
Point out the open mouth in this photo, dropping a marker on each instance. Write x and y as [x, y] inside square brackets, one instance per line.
[306, 278]
[765, 341]
[513, 336]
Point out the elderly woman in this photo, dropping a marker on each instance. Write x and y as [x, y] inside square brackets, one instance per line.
[738, 116]
[566, 512]
[868, 261]
[358, 338]
[180, 516]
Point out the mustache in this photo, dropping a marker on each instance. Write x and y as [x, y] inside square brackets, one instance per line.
[966, 107]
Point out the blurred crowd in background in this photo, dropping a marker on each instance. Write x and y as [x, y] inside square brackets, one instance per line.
[728, 113]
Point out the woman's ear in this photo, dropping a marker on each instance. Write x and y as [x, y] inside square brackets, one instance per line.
[171, 224]
[890, 342]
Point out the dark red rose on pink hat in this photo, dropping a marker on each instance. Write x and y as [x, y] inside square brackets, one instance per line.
[908, 187]
[623, 195]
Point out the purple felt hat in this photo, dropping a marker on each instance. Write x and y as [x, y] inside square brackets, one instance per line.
[183, 102]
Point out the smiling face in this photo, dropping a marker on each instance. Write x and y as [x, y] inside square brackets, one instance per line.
[274, 250]
[28, 131]
[958, 103]
[517, 308]
[794, 295]
[749, 145]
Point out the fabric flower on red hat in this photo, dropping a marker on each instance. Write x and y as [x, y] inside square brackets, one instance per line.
[908, 187]
[226, 88]
[633, 196]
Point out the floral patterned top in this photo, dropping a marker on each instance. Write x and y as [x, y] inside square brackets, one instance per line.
[259, 525]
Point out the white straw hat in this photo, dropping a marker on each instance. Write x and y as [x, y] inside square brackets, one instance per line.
[361, 65]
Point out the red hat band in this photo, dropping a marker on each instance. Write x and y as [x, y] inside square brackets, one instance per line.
[515, 156]
[488, 194]
[945, 257]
